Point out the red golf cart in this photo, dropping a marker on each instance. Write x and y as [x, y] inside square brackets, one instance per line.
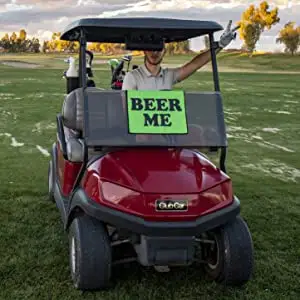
[127, 171]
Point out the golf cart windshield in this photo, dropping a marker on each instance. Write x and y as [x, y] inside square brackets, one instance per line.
[153, 118]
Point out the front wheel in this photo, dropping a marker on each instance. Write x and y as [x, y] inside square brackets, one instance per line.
[229, 256]
[90, 254]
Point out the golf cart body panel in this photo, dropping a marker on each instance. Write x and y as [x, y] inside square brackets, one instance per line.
[166, 225]
[67, 172]
[157, 171]
[137, 179]
[214, 206]
[118, 30]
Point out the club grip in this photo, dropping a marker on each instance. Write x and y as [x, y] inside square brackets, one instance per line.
[236, 28]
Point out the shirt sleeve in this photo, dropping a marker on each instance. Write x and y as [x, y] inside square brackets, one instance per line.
[174, 75]
[129, 82]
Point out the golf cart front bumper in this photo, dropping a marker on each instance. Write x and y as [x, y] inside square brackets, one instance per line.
[140, 226]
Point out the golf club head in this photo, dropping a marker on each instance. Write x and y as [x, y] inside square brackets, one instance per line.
[127, 58]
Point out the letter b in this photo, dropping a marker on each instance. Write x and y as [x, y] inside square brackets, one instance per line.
[136, 104]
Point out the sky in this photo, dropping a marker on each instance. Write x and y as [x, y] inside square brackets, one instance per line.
[42, 17]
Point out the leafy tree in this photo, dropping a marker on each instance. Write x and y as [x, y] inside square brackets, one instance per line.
[54, 43]
[255, 20]
[177, 47]
[45, 47]
[57, 45]
[5, 42]
[170, 48]
[290, 37]
[22, 35]
[35, 46]
[184, 47]
[93, 47]
[13, 37]
[72, 47]
[19, 43]
[12, 43]
[99, 47]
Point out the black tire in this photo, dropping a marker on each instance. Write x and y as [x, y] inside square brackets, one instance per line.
[89, 254]
[232, 262]
[50, 182]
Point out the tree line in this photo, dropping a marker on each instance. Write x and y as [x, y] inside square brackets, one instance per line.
[20, 44]
[254, 21]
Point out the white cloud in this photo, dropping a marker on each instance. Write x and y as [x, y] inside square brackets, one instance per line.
[14, 6]
[38, 16]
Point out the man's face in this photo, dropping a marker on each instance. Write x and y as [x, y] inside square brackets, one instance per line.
[154, 57]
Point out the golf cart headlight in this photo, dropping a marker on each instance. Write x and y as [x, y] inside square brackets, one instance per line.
[115, 193]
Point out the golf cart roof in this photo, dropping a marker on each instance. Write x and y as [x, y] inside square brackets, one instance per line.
[118, 30]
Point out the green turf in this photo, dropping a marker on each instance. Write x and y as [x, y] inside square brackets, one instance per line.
[264, 166]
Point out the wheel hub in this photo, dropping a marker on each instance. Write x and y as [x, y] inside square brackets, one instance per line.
[213, 256]
[211, 250]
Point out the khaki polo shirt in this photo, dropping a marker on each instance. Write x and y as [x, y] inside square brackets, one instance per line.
[142, 79]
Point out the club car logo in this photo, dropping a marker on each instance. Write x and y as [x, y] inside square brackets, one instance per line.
[171, 205]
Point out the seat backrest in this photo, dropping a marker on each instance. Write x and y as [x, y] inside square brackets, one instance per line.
[72, 110]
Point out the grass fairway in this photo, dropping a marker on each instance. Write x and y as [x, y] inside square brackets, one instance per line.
[262, 116]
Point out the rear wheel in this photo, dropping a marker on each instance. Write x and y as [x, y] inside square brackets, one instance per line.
[229, 256]
[90, 254]
[50, 182]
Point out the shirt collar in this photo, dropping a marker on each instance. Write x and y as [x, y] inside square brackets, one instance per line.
[160, 74]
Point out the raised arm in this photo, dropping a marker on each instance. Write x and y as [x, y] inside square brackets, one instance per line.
[203, 58]
[195, 64]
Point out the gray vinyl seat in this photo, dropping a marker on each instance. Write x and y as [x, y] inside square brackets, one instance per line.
[73, 114]
[72, 111]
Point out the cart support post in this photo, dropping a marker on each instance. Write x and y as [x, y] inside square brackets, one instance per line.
[83, 85]
[82, 60]
[217, 89]
[214, 62]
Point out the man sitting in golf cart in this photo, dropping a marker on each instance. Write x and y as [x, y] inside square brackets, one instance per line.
[151, 76]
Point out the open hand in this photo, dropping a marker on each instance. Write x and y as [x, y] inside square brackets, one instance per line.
[228, 35]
